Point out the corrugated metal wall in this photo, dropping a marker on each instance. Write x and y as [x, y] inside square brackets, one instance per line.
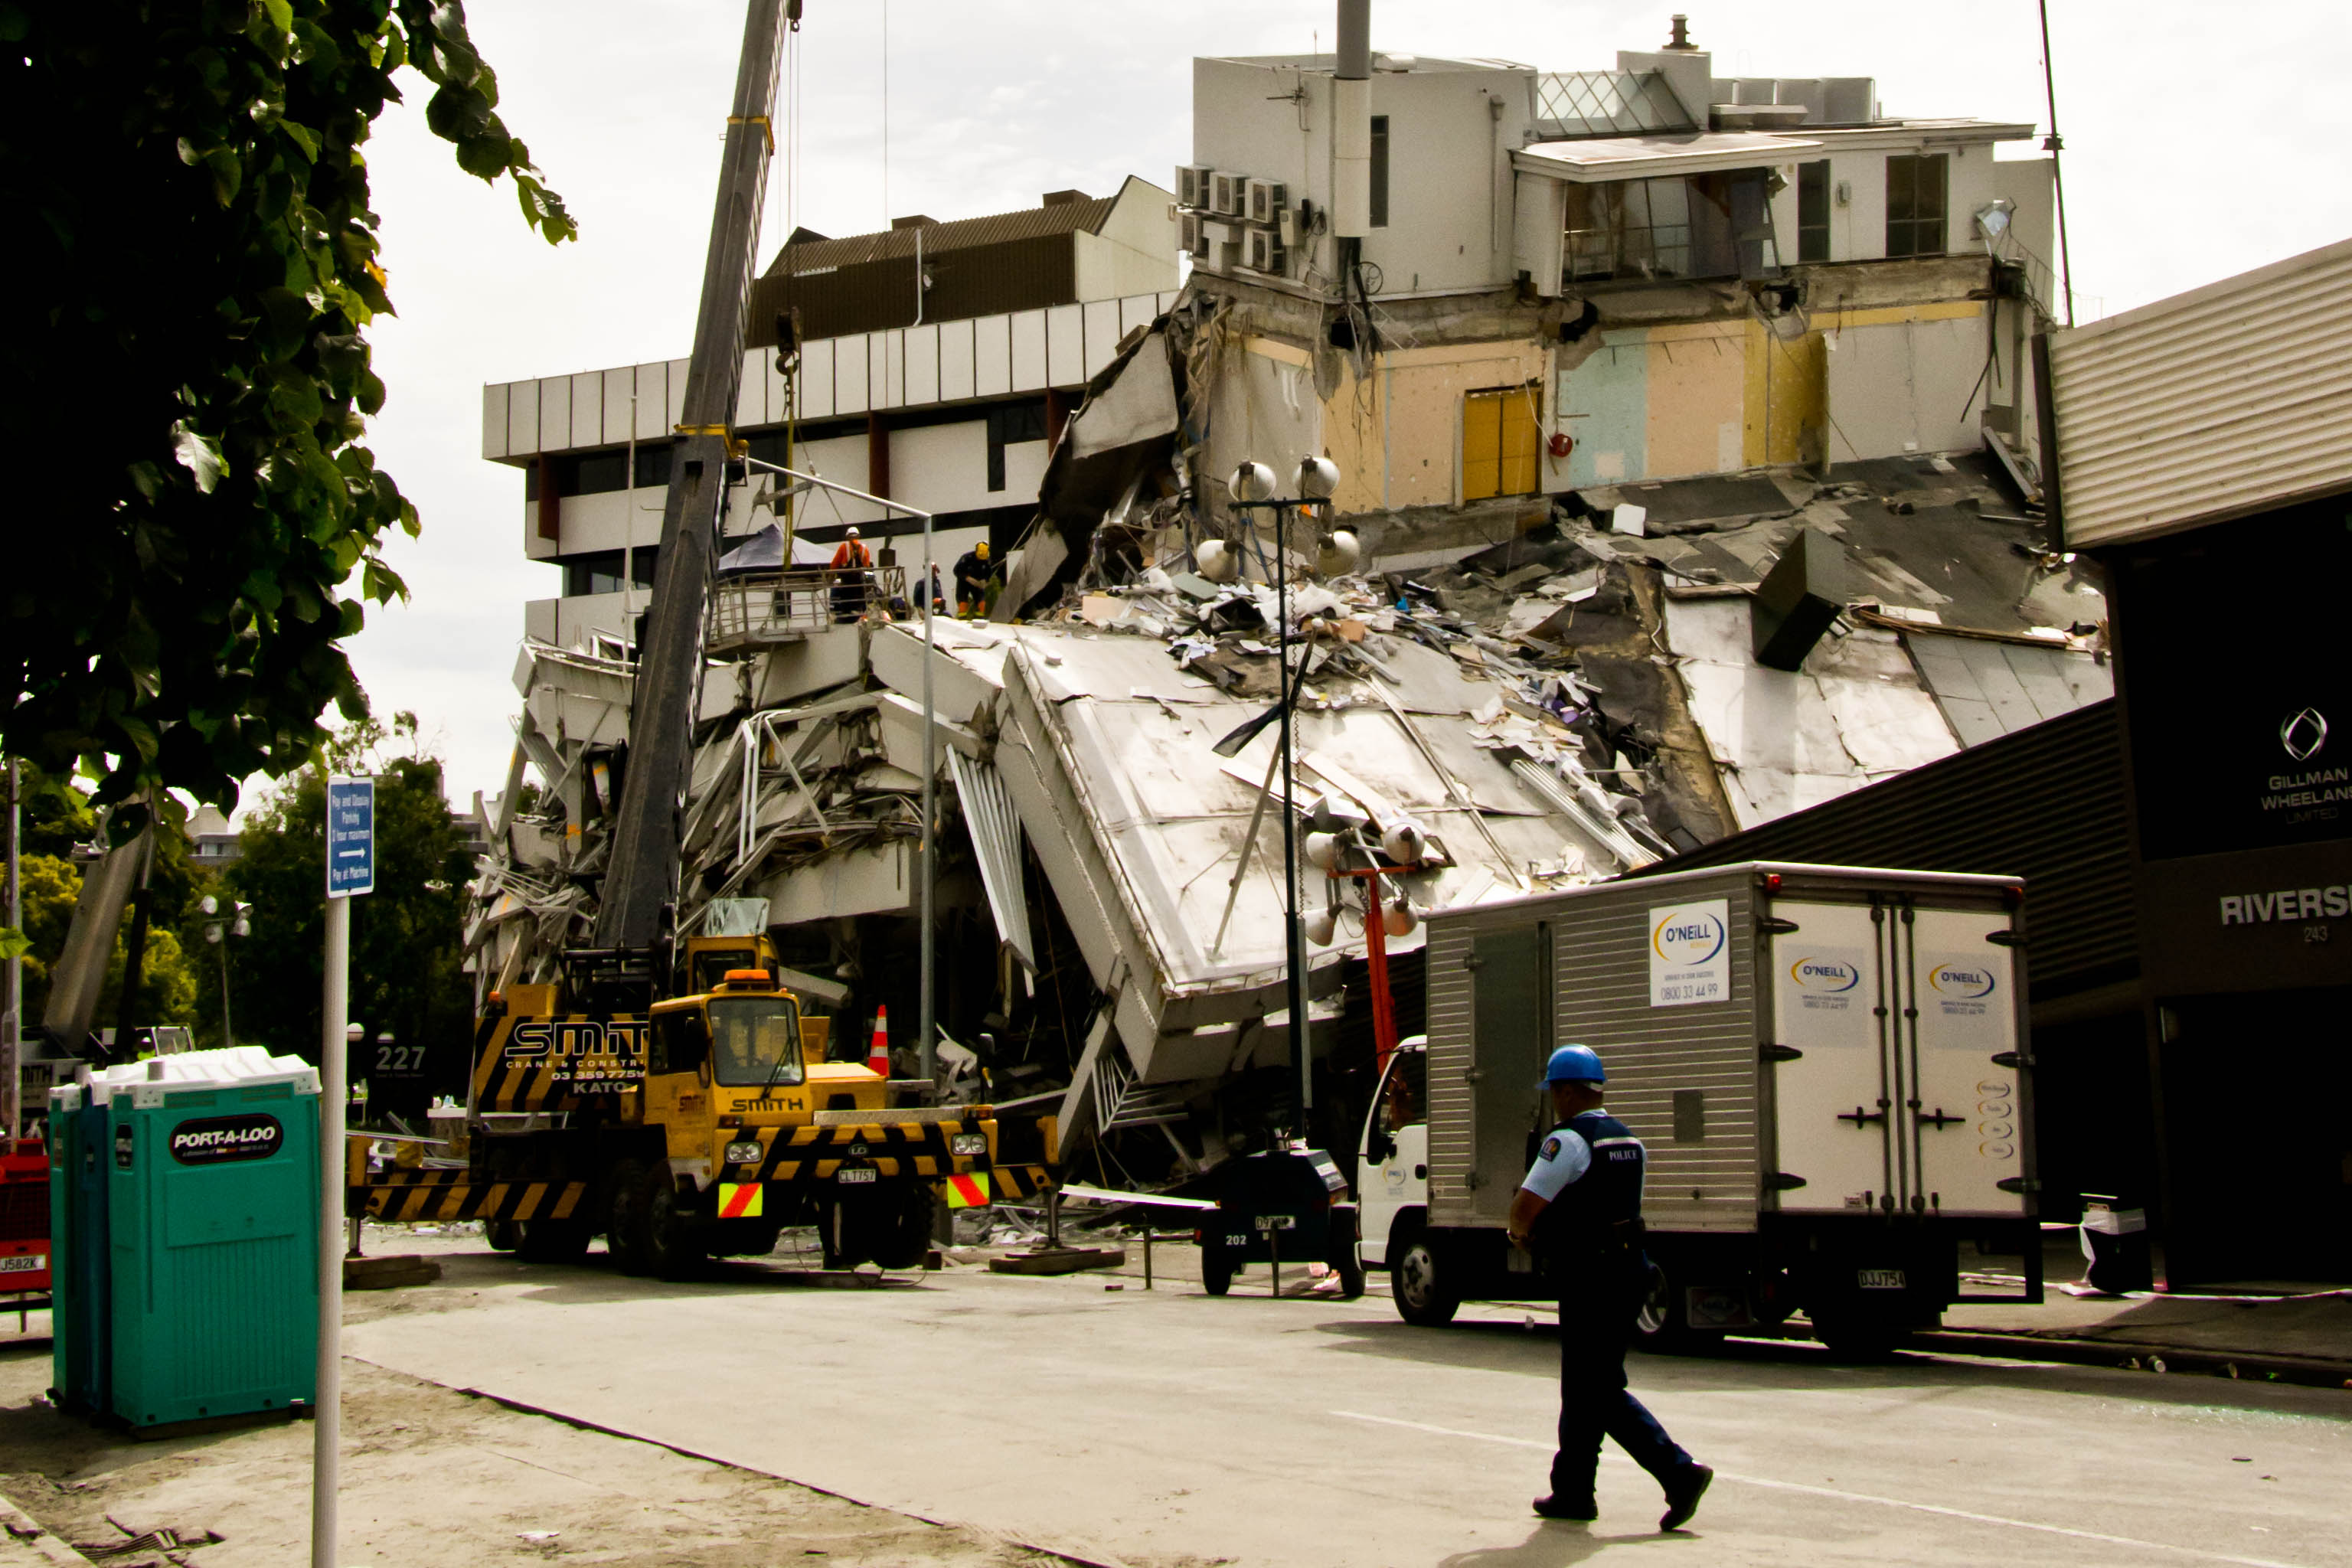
[2226, 400]
[867, 297]
[1602, 946]
[2045, 804]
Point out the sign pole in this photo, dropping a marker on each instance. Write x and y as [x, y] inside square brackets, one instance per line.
[350, 871]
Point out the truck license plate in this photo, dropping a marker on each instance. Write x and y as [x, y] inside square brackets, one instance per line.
[24, 1263]
[853, 1175]
[1880, 1279]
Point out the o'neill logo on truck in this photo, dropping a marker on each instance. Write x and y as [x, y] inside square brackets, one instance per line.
[1685, 938]
[1829, 976]
[1960, 988]
[216, 1139]
[1825, 980]
[1962, 983]
[1690, 953]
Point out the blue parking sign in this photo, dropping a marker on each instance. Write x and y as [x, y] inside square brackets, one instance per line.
[350, 836]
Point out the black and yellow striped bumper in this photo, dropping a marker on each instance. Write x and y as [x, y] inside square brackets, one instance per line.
[404, 1197]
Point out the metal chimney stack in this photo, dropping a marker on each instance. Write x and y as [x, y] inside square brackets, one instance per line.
[1352, 123]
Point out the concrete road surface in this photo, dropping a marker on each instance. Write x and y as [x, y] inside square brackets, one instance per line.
[1172, 1428]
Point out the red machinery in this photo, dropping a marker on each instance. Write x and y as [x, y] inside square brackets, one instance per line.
[24, 1221]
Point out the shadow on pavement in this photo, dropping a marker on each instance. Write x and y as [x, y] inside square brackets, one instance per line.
[1553, 1544]
[1752, 1364]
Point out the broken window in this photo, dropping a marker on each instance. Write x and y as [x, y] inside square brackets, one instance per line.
[1499, 438]
[1813, 211]
[1009, 423]
[1695, 226]
[1379, 207]
[1917, 195]
[600, 572]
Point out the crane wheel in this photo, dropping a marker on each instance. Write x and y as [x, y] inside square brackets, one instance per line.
[673, 1248]
[625, 1229]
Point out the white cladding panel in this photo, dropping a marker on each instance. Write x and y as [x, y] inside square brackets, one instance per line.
[852, 362]
[922, 365]
[588, 409]
[991, 356]
[494, 420]
[522, 417]
[1102, 334]
[886, 379]
[1029, 350]
[751, 390]
[1065, 345]
[554, 413]
[677, 395]
[955, 361]
[620, 402]
[653, 402]
[816, 379]
[2227, 399]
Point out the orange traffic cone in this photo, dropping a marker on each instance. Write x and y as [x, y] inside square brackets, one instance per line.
[877, 1056]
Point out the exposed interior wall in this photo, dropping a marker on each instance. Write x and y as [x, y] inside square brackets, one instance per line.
[1397, 439]
[1785, 405]
[1264, 409]
[1896, 379]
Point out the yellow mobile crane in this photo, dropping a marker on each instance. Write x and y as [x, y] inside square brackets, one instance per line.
[699, 1128]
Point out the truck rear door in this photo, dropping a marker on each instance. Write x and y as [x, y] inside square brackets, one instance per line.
[1888, 1020]
[1968, 1130]
[1833, 1059]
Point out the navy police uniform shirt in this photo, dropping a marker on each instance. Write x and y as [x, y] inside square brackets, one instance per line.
[1589, 1173]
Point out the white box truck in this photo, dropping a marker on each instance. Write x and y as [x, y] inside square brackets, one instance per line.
[1828, 1066]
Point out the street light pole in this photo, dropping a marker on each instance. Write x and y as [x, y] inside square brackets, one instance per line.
[1251, 486]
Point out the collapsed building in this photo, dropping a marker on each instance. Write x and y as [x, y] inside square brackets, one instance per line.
[1629, 553]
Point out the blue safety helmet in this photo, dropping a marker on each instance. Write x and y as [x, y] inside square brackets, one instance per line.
[1574, 1064]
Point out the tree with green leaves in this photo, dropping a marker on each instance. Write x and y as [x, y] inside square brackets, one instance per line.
[406, 971]
[185, 371]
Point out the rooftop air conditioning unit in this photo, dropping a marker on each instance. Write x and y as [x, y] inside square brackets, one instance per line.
[1188, 233]
[1265, 253]
[1268, 198]
[1191, 186]
[1228, 194]
[1218, 242]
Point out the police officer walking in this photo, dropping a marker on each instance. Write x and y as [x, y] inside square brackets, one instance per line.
[1581, 1211]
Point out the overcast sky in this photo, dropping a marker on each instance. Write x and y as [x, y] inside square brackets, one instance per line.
[2201, 139]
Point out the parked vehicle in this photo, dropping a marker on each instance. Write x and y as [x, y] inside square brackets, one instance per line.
[1828, 1066]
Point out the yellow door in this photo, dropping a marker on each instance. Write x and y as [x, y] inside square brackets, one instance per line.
[1499, 439]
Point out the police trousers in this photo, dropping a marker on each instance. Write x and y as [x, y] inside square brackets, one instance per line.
[1596, 1303]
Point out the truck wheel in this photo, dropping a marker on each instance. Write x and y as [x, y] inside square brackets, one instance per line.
[1349, 1267]
[1425, 1296]
[673, 1247]
[624, 1229]
[552, 1241]
[502, 1234]
[1662, 1320]
[901, 1231]
[1216, 1269]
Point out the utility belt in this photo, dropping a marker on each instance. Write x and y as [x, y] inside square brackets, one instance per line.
[1617, 1243]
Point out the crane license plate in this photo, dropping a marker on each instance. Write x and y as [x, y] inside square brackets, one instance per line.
[1880, 1279]
[853, 1175]
[24, 1263]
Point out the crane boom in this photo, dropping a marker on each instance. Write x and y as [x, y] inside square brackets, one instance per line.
[643, 870]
